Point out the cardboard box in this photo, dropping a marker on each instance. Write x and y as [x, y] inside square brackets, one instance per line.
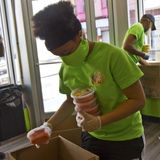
[59, 148]
[150, 80]
[64, 145]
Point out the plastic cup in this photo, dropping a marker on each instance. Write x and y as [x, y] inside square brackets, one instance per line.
[87, 104]
[94, 110]
[85, 99]
[39, 136]
[146, 48]
[83, 95]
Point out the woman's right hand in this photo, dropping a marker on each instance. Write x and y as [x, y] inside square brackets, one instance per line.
[40, 135]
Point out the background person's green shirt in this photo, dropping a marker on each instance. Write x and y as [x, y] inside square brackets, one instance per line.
[138, 31]
[108, 70]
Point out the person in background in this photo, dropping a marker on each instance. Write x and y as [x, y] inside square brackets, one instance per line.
[117, 132]
[134, 39]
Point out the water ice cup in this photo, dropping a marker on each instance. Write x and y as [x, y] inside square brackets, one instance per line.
[85, 99]
[40, 135]
[87, 104]
[83, 95]
[94, 110]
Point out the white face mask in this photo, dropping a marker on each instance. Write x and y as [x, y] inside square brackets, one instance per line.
[148, 33]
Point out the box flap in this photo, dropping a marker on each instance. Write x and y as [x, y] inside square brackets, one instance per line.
[75, 152]
[73, 135]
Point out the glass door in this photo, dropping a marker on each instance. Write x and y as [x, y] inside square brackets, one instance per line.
[49, 64]
[48, 67]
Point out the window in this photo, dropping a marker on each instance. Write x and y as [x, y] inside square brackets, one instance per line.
[132, 12]
[9, 63]
[4, 76]
[153, 7]
[80, 13]
[102, 20]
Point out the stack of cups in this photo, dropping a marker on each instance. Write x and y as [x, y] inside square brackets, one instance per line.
[86, 100]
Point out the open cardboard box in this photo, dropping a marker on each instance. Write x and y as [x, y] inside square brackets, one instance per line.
[150, 80]
[59, 148]
[64, 145]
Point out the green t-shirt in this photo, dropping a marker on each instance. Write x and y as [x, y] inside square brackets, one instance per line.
[108, 70]
[138, 31]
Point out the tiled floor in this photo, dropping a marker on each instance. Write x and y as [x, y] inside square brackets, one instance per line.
[152, 135]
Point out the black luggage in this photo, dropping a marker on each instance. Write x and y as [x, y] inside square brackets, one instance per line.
[12, 121]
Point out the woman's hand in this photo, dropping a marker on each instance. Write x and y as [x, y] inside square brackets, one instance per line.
[40, 135]
[87, 121]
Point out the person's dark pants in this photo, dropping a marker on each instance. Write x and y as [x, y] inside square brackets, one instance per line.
[113, 150]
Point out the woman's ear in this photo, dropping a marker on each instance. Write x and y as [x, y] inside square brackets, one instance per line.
[82, 34]
[78, 36]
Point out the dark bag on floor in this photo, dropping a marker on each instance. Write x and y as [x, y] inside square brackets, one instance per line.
[12, 121]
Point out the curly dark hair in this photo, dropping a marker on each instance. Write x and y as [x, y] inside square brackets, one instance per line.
[56, 24]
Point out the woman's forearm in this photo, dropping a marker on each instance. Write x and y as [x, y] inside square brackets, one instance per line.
[124, 110]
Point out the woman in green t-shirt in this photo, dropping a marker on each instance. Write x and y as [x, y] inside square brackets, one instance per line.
[117, 132]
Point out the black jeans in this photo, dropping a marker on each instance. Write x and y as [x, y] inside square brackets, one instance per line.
[113, 150]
